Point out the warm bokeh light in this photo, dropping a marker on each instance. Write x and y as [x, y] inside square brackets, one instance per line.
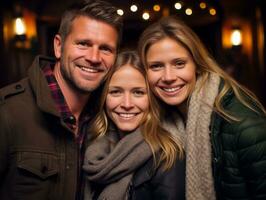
[156, 8]
[236, 37]
[178, 5]
[203, 5]
[133, 8]
[212, 11]
[20, 28]
[120, 12]
[145, 15]
[188, 11]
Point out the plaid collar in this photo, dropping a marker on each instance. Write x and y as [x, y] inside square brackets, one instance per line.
[60, 101]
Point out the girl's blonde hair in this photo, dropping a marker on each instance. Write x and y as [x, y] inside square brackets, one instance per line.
[154, 134]
[171, 27]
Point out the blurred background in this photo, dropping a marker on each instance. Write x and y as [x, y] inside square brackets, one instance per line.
[233, 31]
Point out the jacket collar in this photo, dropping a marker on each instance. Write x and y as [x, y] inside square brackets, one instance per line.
[228, 96]
[39, 85]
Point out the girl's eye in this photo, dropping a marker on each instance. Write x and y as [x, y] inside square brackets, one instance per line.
[114, 92]
[139, 93]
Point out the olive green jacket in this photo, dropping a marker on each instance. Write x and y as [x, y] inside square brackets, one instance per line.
[239, 152]
[38, 154]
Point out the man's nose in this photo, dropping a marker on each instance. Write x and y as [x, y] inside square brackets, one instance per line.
[93, 55]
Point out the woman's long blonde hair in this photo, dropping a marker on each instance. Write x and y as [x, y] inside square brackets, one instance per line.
[154, 134]
[171, 27]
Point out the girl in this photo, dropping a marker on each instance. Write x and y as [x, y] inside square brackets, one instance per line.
[131, 155]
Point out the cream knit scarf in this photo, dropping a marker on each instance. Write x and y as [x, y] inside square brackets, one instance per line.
[196, 136]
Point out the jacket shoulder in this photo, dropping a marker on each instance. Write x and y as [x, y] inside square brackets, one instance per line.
[12, 90]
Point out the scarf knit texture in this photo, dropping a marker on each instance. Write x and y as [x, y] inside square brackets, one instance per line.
[199, 177]
[112, 162]
[197, 140]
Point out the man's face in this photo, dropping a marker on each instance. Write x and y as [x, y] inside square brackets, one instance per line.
[87, 54]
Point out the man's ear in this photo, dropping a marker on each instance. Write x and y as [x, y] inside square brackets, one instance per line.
[57, 46]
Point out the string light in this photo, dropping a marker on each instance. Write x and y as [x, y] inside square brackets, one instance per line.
[133, 8]
[203, 5]
[156, 8]
[188, 11]
[178, 5]
[212, 11]
[120, 12]
[145, 15]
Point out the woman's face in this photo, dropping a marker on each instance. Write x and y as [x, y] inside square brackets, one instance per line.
[127, 99]
[171, 71]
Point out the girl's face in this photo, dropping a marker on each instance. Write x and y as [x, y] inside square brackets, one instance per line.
[171, 71]
[127, 99]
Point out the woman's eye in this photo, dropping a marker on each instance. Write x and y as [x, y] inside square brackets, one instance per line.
[180, 64]
[155, 66]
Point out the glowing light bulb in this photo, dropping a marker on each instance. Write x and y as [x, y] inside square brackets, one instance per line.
[212, 11]
[188, 11]
[145, 15]
[156, 8]
[120, 12]
[203, 5]
[178, 6]
[20, 28]
[236, 37]
[133, 8]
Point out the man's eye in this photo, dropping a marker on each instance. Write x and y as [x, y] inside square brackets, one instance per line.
[83, 44]
[106, 49]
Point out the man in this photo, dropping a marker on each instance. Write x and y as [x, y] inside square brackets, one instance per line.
[43, 117]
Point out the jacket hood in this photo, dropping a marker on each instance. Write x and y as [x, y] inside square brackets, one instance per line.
[39, 84]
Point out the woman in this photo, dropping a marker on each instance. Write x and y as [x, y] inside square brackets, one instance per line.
[131, 156]
[223, 123]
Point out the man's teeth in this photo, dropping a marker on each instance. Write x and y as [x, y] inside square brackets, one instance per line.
[171, 89]
[126, 115]
[89, 69]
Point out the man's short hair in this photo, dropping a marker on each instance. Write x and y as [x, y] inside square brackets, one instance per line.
[95, 9]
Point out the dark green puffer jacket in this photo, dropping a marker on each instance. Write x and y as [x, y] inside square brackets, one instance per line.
[239, 152]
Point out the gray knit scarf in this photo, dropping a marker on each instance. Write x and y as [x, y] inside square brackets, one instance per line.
[196, 137]
[112, 162]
